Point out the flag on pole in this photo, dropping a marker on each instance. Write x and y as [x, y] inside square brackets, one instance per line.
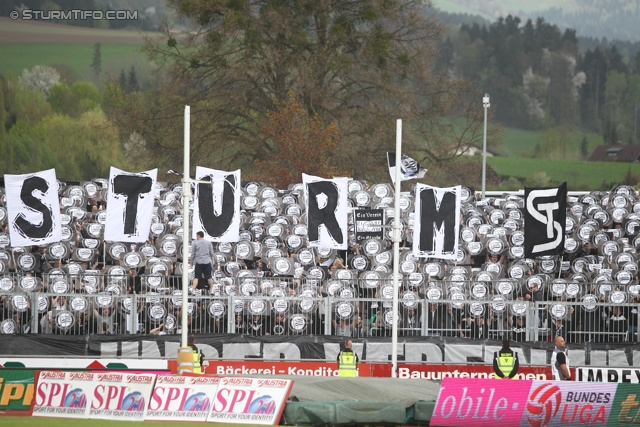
[410, 168]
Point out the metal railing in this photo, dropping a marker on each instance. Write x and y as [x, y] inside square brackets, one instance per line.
[102, 304]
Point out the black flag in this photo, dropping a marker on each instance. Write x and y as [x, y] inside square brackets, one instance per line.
[544, 221]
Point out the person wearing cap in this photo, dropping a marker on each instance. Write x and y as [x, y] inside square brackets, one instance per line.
[505, 361]
[201, 255]
[347, 361]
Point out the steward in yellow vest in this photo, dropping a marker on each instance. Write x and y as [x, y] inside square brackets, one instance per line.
[505, 361]
[198, 357]
[347, 361]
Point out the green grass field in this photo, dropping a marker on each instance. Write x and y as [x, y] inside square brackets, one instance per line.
[14, 57]
[72, 422]
[519, 142]
[580, 176]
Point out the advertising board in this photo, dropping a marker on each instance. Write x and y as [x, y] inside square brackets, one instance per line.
[490, 402]
[182, 398]
[250, 400]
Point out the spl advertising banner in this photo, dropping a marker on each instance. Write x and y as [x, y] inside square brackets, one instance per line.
[250, 401]
[92, 395]
[488, 402]
[183, 398]
[120, 396]
[16, 389]
[62, 394]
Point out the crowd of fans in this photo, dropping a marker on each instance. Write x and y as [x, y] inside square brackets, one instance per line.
[84, 285]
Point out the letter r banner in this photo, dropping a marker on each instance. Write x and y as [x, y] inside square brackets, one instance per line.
[545, 217]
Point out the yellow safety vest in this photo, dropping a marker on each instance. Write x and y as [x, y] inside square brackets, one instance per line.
[506, 362]
[347, 364]
[197, 369]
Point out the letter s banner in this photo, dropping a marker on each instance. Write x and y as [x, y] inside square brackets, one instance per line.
[16, 389]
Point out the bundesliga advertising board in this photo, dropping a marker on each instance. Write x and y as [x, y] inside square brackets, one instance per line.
[529, 403]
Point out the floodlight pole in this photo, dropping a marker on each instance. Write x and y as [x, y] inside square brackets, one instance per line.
[186, 194]
[396, 250]
[486, 105]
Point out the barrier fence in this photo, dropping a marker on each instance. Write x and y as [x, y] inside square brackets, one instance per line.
[521, 310]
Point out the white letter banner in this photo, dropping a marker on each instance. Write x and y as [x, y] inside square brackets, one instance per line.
[326, 205]
[33, 208]
[436, 226]
[130, 205]
[216, 207]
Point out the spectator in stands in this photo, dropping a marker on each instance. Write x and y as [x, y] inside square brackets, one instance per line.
[633, 318]
[411, 325]
[518, 329]
[134, 283]
[257, 326]
[104, 320]
[479, 329]
[618, 325]
[341, 328]
[358, 329]
[439, 322]
[279, 325]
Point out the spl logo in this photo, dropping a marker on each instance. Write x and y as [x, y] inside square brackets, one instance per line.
[543, 405]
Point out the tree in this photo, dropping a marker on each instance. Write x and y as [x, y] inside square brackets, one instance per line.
[133, 80]
[39, 78]
[359, 64]
[584, 148]
[96, 64]
[300, 144]
[123, 80]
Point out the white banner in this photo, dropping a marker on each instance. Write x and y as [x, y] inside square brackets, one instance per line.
[62, 394]
[182, 398]
[130, 205]
[326, 205]
[33, 208]
[250, 401]
[436, 226]
[120, 396]
[216, 207]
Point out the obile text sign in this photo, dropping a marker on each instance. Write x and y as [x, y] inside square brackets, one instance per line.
[16, 389]
[182, 398]
[528, 403]
[250, 401]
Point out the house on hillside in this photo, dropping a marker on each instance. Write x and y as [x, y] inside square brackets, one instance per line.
[469, 150]
[616, 153]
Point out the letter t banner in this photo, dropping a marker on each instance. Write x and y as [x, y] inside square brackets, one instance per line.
[130, 205]
[326, 204]
[544, 221]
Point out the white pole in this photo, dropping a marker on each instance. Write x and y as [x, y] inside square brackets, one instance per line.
[485, 104]
[396, 250]
[186, 194]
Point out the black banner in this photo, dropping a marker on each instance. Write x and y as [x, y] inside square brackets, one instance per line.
[545, 217]
[368, 224]
[308, 347]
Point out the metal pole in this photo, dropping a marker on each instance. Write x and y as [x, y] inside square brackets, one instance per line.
[186, 194]
[396, 250]
[485, 104]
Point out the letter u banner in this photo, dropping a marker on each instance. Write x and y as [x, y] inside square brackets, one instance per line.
[493, 402]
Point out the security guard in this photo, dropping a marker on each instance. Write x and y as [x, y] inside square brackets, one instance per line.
[347, 361]
[505, 361]
[198, 357]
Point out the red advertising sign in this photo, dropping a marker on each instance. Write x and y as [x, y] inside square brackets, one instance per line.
[311, 369]
[439, 372]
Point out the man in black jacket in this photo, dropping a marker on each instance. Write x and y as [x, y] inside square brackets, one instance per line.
[505, 361]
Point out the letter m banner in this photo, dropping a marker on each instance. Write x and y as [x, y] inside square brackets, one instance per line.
[544, 221]
[436, 222]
